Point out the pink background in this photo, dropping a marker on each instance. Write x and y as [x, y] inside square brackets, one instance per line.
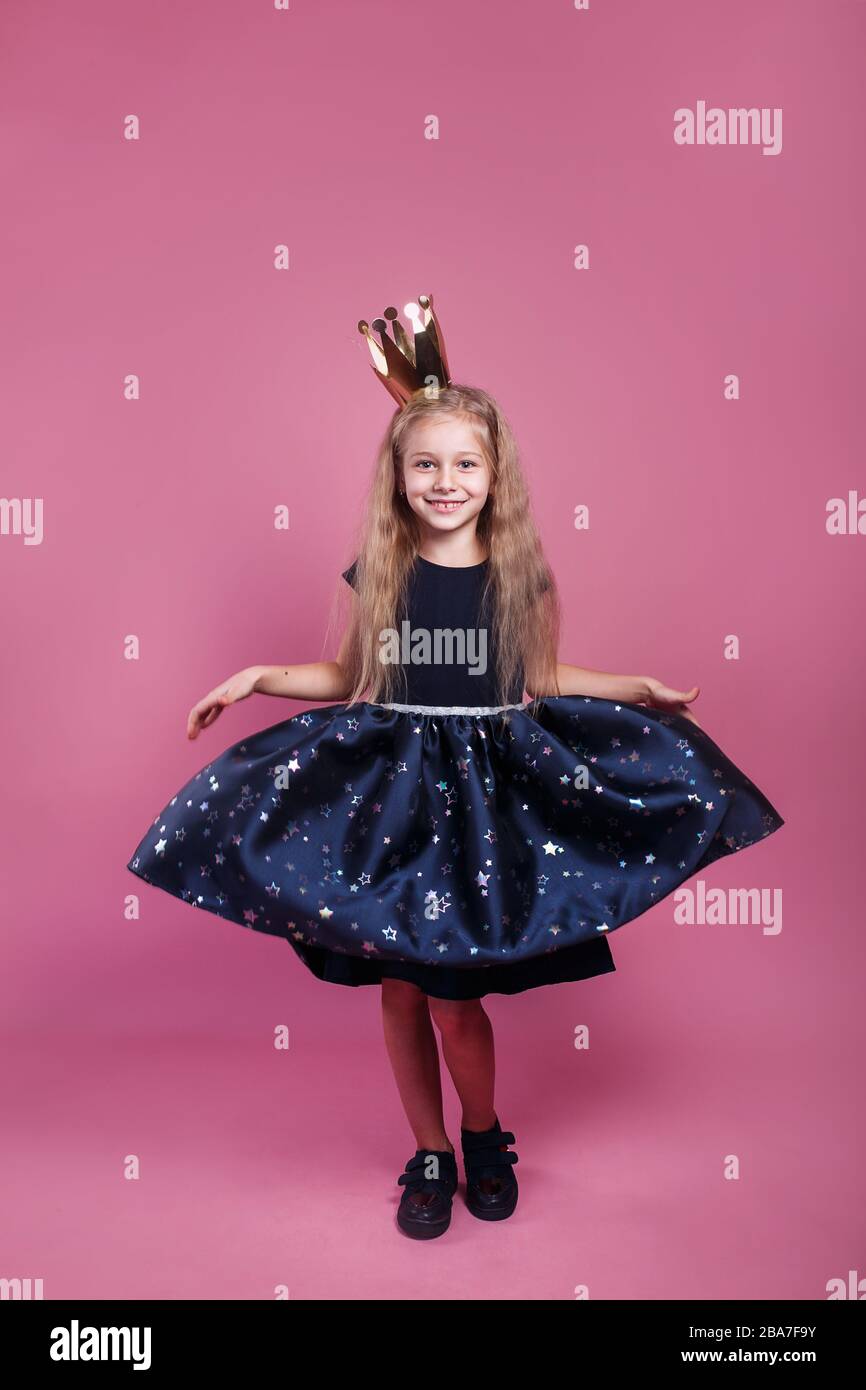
[155, 257]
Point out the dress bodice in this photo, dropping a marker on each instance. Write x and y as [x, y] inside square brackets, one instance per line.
[445, 642]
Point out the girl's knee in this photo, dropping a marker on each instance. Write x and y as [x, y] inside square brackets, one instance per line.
[400, 995]
[450, 1015]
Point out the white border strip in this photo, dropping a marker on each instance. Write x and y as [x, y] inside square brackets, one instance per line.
[449, 709]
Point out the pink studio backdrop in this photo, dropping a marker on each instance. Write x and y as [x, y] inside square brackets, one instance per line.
[155, 257]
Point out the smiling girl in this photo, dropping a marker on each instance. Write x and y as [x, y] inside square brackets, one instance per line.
[429, 830]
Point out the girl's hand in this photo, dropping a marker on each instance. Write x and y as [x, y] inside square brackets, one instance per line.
[661, 696]
[237, 687]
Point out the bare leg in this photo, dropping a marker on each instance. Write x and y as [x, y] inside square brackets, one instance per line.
[411, 1045]
[468, 1049]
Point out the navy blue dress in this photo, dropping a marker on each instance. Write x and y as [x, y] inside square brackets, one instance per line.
[459, 851]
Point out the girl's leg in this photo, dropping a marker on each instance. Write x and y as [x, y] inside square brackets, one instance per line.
[411, 1045]
[467, 1046]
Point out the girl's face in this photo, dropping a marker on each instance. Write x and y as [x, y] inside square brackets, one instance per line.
[445, 475]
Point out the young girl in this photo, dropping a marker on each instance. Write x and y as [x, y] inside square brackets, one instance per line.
[441, 838]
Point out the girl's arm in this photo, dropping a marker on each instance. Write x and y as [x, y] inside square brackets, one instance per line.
[635, 690]
[578, 680]
[317, 680]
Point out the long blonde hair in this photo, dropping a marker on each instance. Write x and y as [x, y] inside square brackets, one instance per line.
[525, 632]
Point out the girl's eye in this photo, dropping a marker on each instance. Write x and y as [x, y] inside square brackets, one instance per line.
[423, 462]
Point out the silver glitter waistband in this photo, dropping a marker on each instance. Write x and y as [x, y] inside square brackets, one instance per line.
[449, 709]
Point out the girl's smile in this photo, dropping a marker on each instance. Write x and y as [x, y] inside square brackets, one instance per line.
[440, 504]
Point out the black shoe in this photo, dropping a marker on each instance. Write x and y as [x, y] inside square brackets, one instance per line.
[491, 1185]
[425, 1207]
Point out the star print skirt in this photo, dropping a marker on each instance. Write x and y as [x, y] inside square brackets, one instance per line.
[465, 850]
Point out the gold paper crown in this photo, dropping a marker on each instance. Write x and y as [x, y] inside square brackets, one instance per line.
[405, 365]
